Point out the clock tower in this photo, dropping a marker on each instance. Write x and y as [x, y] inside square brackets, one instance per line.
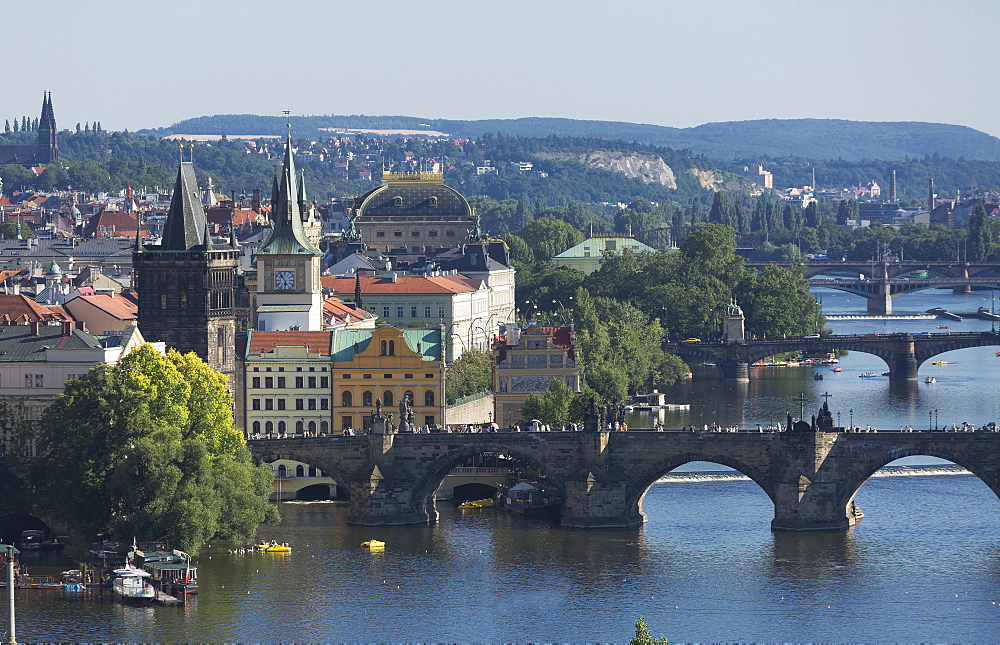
[289, 294]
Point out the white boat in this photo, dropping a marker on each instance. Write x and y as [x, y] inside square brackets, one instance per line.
[130, 583]
[930, 379]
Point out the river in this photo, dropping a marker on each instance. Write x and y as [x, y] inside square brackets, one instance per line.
[923, 565]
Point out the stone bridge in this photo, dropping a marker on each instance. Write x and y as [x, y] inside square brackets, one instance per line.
[902, 352]
[895, 269]
[602, 477]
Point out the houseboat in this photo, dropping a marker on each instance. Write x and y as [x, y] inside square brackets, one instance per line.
[170, 571]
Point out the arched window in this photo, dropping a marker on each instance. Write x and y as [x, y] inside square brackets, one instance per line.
[324, 427]
[366, 398]
[387, 397]
[268, 427]
[281, 427]
[392, 348]
[383, 346]
[433, 201]
[282, 471]
[300, 471]
[298, 427]
[312, 471]
[256, 427]
[346, 399]
[429, 398]
[397, 201]
[312, 427]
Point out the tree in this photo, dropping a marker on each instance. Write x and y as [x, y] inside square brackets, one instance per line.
[8, 230]
[147, 449]
[981, 236]
[550, 407]
[547, 237]
[644, 637]
[471, 373]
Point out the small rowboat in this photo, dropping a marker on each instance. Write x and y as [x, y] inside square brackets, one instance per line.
[374, 545]
[273, 547]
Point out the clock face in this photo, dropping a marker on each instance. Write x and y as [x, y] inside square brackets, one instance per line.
[284, 279]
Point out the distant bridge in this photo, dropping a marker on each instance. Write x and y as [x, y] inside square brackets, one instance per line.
[601, 477]
[902, 352]
[880, 282]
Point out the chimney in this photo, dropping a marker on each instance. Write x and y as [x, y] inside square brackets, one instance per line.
[67, 327]
[892, 186]
[930, 195]
[35, 324]
[82, 326]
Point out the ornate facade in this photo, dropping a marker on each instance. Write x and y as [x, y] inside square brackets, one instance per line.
[525, 362]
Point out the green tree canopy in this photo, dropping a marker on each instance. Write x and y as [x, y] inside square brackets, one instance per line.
[471, 373]
[146, 448]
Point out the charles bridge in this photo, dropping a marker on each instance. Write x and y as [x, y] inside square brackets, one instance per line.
[880, 282]
[810, 475]
[902, 352]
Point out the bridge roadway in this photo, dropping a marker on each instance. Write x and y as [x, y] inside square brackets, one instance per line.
[810, 477]
[956, 269]
[902, 352]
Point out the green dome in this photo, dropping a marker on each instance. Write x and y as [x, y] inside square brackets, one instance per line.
[54, 269]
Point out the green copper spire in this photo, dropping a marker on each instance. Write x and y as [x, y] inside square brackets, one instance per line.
[288, 237]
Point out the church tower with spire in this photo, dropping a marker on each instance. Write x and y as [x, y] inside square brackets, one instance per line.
[186, 283]
[48, 145]
[289, 294]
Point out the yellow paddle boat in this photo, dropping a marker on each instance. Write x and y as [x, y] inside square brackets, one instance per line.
[940, 363]
[374, 545]
[273, 547]
[479, 503]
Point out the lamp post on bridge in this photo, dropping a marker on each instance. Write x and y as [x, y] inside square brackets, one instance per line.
[9, 552]
[851, 412]
[930, 420]
[935, 419]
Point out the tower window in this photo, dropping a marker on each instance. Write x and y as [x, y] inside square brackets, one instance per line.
[432, 202]
[397, 201]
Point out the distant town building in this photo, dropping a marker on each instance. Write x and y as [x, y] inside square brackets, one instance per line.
[525, 362]
[588, 255]
[759, 176]
[45, 150]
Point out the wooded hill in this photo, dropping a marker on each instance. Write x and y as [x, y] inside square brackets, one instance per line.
[811, 138]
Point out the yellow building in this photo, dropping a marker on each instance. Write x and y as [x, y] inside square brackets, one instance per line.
[387, 366]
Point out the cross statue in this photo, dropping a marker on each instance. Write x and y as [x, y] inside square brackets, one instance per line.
[802, 403]
[826, 397]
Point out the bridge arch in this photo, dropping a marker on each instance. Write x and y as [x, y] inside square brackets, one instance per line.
[312, 460]
[874, 460]
[429, 479]
[642, 482]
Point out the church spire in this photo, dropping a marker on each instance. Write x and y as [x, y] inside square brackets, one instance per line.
[288, 237]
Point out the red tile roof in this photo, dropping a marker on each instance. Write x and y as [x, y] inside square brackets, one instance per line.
[120, 308]
[335, 311]
[21, 308]
[404, 284]
[265, 341]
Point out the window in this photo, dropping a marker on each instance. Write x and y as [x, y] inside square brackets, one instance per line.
[27, 380]
[324, 381]
[269, 427]
[300, 471]
[392, 348]
[415, 233]
[269, 382]
[281, 381]
[379, 233]
[385, 312]
[413, 312]
[312, 427]
[384, 348]
[300, 404]
[366, 398]
[282, 427]
[347, 422]
[298, 369]
[39, 380]
[256, 427]
[407, 375]
[397, 201]
[432, 233]
[429, 420]
[312, 382]
[312, 471]
[298, 427]
[324, 404]
[366, 376]
[449, 233]
[440, 312]
[312, 404]
[399, 312]
[387, 397]
[427, 311]
[281, 404]
[433, 201]
[387, 376]
[397, 233]
[255, 404]
[268, 404]
[299, 382]
[256, 382]
[428, 376]
[429, 397]
[324, 427]
[346, 400]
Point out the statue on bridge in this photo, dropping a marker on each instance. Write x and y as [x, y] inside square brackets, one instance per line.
[824, 422]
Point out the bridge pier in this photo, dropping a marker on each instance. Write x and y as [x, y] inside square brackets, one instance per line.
[735, 370]
[378, 500]
[598, 499]
[880, 304]
[804, 500]
[904, 368]
[963, 289]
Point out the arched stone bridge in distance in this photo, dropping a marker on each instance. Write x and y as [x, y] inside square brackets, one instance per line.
[902, 352]
[810, 477]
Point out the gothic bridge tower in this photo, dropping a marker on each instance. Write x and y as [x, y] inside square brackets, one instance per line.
[186, 283]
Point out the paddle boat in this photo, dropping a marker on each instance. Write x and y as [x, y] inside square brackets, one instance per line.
[479, 503]
[273, 547]
[373, 545]
[940, 363]
[868, 375]
[817, 377]
[930, 379]
[838, 369]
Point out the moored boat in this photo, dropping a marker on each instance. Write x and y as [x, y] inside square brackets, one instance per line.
[273, 547]
[131, 584]
[373, 545]
[171, 571]
[478, 503]
[868, 375]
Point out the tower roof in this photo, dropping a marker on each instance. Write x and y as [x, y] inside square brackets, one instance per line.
[186, 222]
[288, 237]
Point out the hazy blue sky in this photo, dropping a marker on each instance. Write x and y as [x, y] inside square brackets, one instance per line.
[140, 64]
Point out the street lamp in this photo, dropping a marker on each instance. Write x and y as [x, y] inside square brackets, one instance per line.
[930, 419]
[851, 412]
[9, 552]
[935, 419]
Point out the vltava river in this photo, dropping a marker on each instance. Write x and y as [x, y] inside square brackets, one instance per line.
[923, 565]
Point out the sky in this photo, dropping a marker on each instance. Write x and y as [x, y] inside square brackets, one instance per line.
[138, 64]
